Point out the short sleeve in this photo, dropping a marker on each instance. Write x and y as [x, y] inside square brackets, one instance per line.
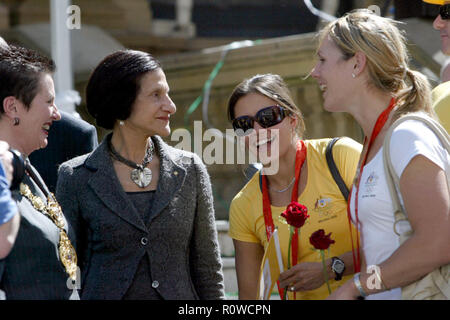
[346, 154]
[412, 138]
[241, 225]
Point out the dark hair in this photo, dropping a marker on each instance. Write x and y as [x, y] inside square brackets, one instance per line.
[20, 73]
[115, 83]
[273, 87]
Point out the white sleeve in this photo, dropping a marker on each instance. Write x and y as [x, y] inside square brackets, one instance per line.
[412, 138]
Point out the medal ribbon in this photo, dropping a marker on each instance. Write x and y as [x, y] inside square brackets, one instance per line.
[379, 124]
[300, 157]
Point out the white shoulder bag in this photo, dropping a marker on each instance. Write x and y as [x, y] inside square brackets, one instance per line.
[436, 284]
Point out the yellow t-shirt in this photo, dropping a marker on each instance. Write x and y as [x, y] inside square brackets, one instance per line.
[326, 206]
[441, 103]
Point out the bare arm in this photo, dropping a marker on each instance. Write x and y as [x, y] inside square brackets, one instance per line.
[307, 276]
[426, 198]
[248, 261]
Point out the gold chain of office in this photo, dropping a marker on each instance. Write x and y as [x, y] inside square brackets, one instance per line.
[52, 210]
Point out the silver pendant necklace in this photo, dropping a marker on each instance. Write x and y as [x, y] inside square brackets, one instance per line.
[140, 175]
[285, 189]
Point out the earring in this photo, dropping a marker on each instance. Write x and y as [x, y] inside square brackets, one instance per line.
[121, 123]
[16, 121]
[353, 75]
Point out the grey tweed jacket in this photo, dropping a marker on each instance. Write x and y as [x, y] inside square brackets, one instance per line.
[180, 236]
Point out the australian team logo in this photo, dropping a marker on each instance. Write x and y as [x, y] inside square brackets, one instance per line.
[324, 208]
[321, 203]
[371, 182]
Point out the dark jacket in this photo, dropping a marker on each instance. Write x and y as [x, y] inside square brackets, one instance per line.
[180, 236]
[33, 269]
[68, 138]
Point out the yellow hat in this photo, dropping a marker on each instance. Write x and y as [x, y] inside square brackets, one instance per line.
[439, 2]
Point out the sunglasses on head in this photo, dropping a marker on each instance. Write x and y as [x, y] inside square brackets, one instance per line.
[266, 117]
[444, 11]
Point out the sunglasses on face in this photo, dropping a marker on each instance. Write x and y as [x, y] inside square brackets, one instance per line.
[444, 12]
[266, 117]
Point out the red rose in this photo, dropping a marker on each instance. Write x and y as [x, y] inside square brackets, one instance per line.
[321, 241]
[295, 214]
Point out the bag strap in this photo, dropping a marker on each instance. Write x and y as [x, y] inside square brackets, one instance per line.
[441, 283]
[334, 170]
[391, 177]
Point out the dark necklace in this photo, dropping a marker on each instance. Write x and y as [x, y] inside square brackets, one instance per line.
[141, 175]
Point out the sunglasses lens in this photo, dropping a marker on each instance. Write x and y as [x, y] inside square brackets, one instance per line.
[444, 11]
[244, 123]
[270, 116]
[266, 118]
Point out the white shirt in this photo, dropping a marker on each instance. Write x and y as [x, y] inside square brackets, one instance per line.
[375, 209]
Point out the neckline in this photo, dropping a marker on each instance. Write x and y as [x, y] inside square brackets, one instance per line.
[140, 192]
[148, 157]
[374, 157]
[307, 161]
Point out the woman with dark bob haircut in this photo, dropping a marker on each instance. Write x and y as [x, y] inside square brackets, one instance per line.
[41, 263]
[142, 210]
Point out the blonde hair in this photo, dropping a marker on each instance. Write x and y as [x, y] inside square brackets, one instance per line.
[384, 46]
[273, 87]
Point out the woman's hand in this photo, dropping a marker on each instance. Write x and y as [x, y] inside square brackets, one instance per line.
[347, 291]
[303, 277]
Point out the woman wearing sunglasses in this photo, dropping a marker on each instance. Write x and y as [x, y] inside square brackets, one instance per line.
[263, 103]
[363, 70]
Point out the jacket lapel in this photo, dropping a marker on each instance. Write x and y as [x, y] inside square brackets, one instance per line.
[171, 178]
[106, 185]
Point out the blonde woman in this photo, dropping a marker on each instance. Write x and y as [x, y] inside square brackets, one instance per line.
[363, 70]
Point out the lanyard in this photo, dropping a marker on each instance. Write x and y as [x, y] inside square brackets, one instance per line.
[300, 157]
[381, 121]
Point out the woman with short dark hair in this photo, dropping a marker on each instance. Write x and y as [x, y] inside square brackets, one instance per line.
[142, 210]
[42, 261]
